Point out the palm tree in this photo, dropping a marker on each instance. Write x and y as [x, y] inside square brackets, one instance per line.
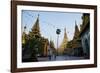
[58, 32]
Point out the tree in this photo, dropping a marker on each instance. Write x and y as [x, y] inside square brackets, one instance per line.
[58, 32]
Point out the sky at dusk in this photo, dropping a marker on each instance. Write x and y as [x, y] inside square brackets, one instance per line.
[50, 21]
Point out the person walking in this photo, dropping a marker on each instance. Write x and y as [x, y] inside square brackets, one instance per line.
[49, 54]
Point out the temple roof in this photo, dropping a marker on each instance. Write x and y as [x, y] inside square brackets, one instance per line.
[36, 28]
[76, 33]
[36, 25]
[85, 24]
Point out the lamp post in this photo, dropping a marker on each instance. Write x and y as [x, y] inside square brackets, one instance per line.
[58, 32]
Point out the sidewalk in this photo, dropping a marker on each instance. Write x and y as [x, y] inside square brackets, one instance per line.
[60, 58]
[43, 59]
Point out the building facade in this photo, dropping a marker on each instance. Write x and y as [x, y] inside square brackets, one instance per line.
[85, 35]
[35, 45]
[74, 46]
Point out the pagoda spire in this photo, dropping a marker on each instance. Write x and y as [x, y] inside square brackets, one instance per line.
[64, 43]
[36, 27]
[76, 31]
[65, 34]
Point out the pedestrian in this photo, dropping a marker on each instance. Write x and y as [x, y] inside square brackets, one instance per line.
[49, 54]
[55, 56]
[49, 57]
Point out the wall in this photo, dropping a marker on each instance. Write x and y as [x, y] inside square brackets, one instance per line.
[5, 36]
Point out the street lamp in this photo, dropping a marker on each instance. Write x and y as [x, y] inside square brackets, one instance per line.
[58, 32]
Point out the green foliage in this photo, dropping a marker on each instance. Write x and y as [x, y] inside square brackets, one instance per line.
[36, 45]
[58, 31]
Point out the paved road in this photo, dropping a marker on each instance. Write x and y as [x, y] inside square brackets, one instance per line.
[59, 58]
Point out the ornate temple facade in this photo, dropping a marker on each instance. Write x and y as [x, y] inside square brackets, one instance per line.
[74, 46]
[35, 33]
[34, 43]
[64, 43]
[85, 35]
[80, 45]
